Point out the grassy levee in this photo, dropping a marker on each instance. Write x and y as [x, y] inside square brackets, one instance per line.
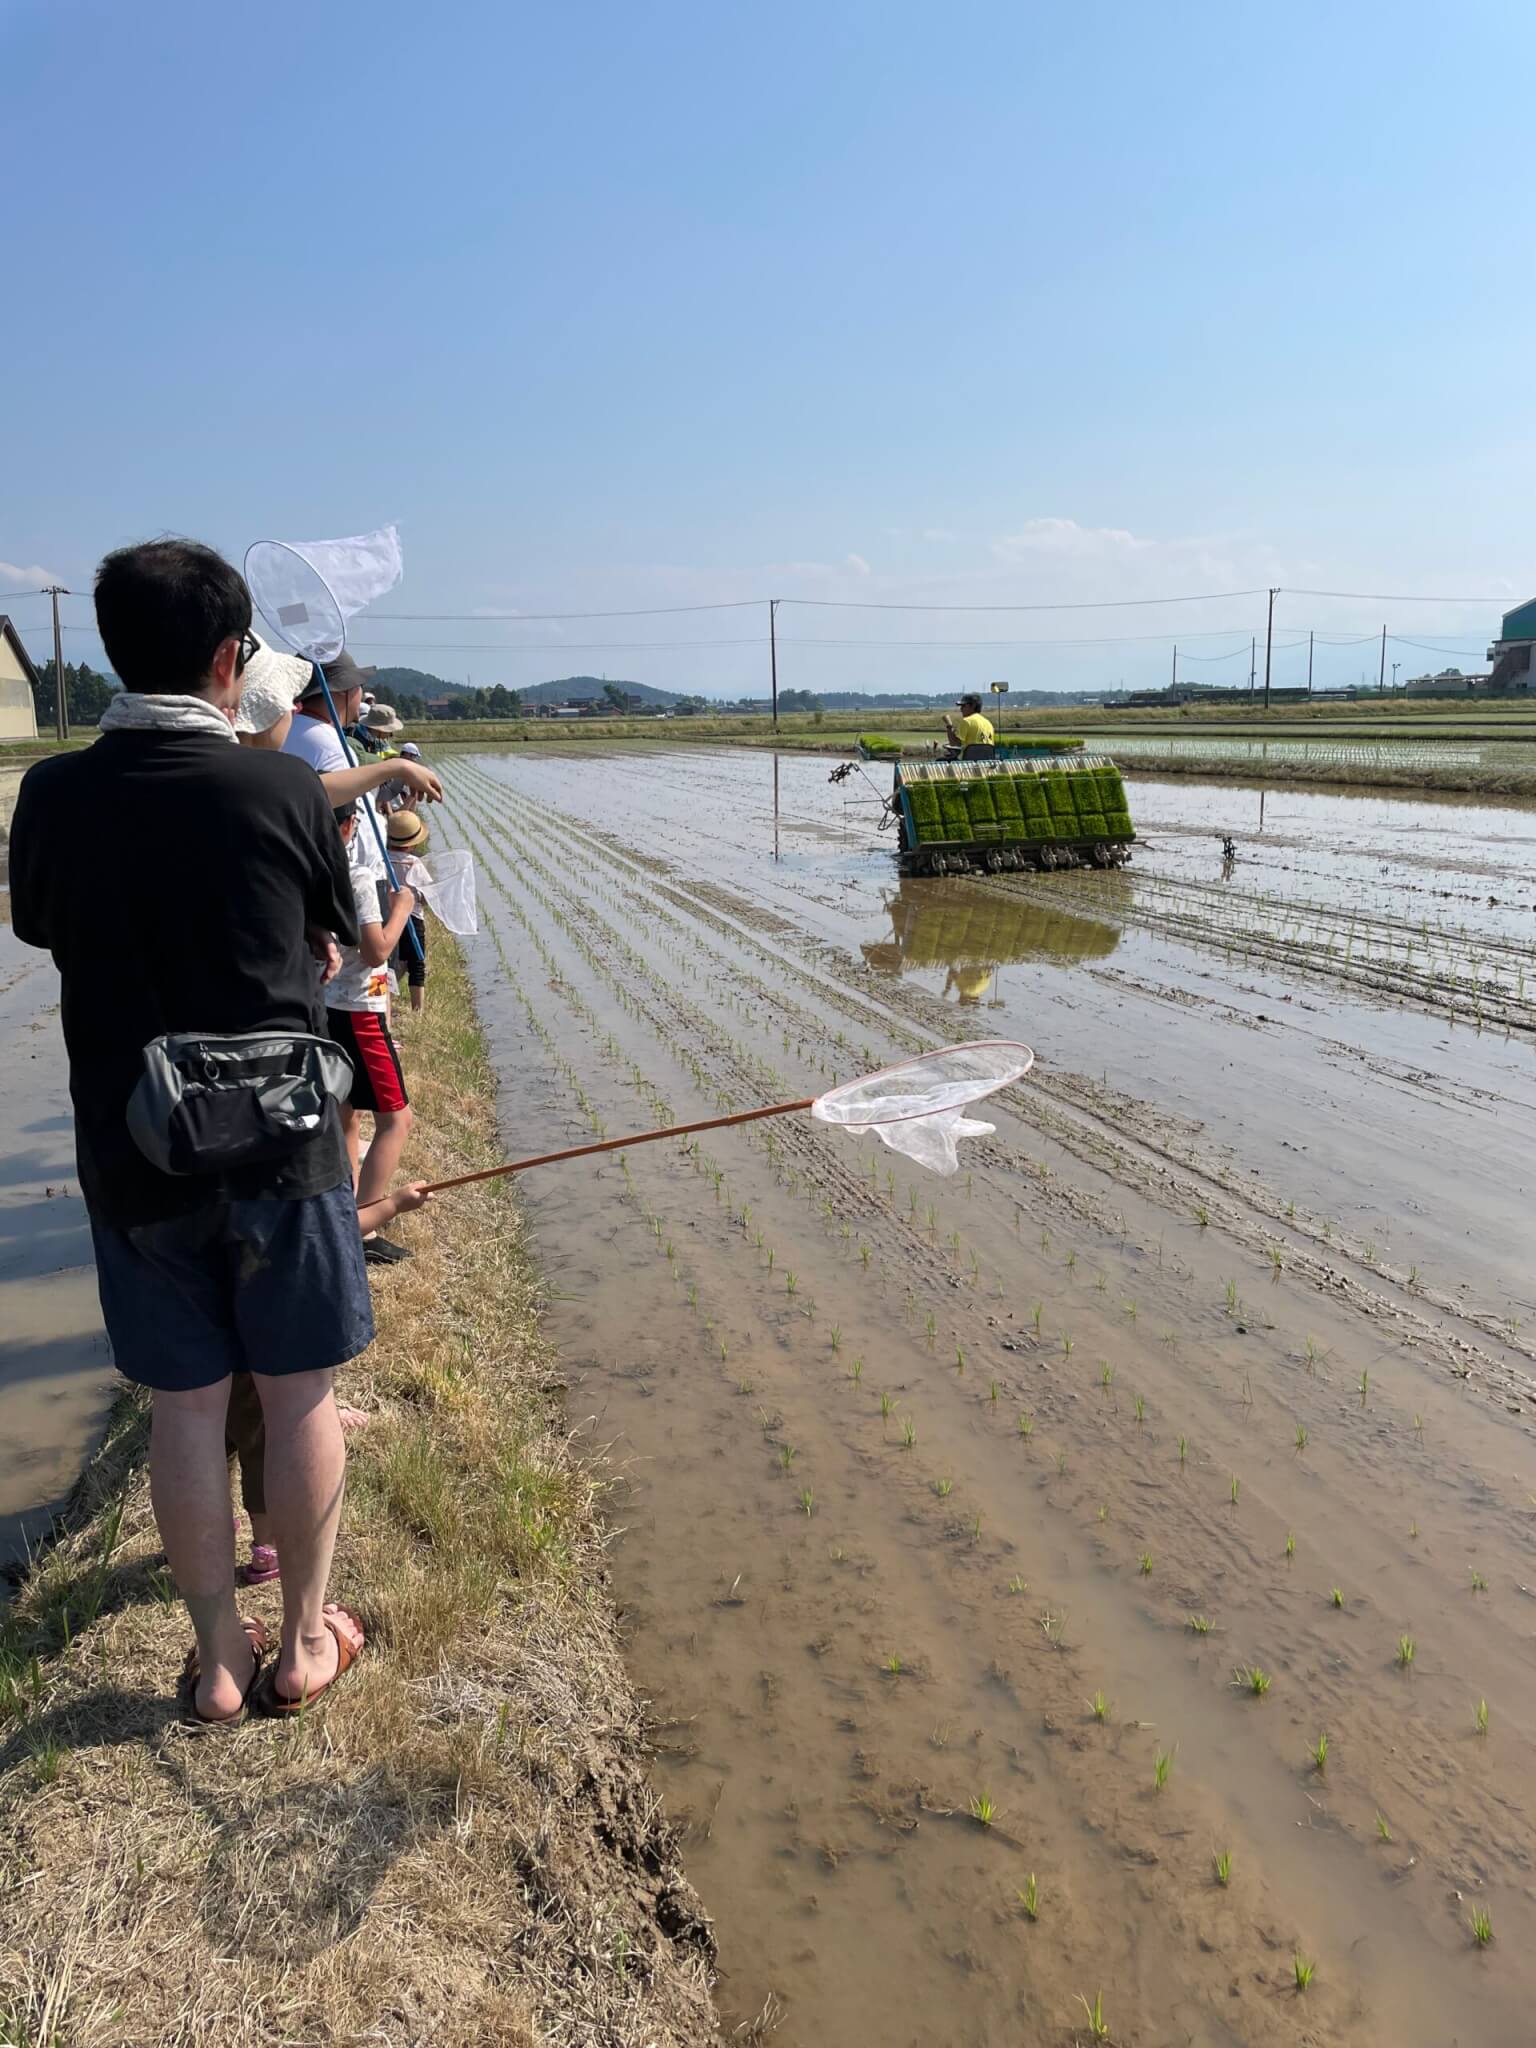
[460, 1846]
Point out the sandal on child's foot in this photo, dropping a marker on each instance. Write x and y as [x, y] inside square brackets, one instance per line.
[262, 1569]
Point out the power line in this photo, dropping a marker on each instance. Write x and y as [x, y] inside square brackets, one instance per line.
[481, 618]
[546, 646]
[851, 604]
[1429, 646]
[1390, 597]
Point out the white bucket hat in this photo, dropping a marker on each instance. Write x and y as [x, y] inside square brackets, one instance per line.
[271, 683]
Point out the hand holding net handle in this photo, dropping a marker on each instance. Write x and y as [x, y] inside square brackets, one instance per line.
[714, 1123]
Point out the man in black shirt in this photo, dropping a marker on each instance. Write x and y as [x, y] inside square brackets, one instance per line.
[241, 894]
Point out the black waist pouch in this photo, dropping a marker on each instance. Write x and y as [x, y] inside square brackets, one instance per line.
[208, 1103]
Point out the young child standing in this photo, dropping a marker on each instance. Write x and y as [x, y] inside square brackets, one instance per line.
[357, 1010]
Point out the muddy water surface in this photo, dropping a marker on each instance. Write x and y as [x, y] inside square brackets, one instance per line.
[920, 1487]
[54, 1365]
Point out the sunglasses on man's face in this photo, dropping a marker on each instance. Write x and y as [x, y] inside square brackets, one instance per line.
[248, 645]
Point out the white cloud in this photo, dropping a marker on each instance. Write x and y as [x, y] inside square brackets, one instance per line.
[17, 576]
[1066, 537]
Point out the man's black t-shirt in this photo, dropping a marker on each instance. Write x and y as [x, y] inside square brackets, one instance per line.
[172, 876]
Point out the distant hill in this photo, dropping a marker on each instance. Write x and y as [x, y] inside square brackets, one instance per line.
[418, 682]
[581, 689]
[413, 682]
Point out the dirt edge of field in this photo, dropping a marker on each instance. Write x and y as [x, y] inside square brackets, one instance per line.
[462, 1846]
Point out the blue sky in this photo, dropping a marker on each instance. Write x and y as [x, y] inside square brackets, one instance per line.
[890, 304]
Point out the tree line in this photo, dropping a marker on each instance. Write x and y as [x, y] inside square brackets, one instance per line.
[87, 693]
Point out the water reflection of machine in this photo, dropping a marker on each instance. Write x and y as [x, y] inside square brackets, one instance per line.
[969, 933]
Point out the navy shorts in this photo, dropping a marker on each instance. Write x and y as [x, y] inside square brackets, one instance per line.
[266, 1286]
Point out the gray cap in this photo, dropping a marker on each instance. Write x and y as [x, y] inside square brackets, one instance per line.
[342, 673]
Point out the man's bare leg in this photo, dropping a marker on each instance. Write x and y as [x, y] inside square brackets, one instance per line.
[189, 1487]
[306, 1475]
[391, 1128]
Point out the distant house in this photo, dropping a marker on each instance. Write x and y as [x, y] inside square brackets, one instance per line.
[1450, 682]
[1511, 652]
[439, 707]
[18, 679]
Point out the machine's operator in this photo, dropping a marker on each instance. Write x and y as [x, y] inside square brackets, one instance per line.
[972, 730]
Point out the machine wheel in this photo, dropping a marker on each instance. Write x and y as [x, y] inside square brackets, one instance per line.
[1103, 856]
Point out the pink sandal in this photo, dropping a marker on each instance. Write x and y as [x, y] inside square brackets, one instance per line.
[262, 1569]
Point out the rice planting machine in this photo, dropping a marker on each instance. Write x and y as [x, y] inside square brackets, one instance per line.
[1017, 805]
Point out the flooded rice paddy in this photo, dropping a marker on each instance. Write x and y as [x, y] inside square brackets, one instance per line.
[55, 1370]
[996, 1553]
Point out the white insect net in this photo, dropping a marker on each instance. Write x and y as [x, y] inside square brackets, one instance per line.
[917, 1107]
[447, 888]
[306, 590]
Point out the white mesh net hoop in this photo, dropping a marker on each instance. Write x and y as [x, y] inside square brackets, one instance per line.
[306, 590]
[917, 1106]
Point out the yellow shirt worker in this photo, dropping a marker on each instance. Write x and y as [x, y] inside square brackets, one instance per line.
[971, 730]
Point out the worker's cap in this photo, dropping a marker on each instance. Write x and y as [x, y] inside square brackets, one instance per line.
[407, 834]
[342, 673]
[380, 720]
[269, 684]
[410, 751]
[970, 697]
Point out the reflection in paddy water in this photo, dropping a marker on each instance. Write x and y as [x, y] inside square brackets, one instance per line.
[968, 932]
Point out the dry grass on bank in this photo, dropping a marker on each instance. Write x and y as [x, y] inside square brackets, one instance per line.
[460, 1845]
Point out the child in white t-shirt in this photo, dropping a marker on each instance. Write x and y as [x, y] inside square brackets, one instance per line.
[357, 1010]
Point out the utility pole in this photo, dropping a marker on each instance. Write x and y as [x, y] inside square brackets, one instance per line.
[1395, 667]
[1269, 643]
[1310, 638]
[773, 656]
[60, 695]
[1175, 664]
[1381, 680]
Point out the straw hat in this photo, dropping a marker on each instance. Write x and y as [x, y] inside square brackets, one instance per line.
[407, 834]
[380, 720]
[269, 685]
